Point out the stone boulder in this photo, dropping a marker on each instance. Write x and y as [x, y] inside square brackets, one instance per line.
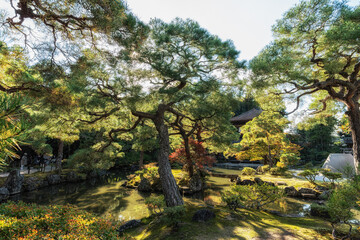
[270, 183]
[144, 185]
[196, 183]
[156, 185]
[203, 215]
[53, 179]
[72, 177]
[233, 178]
[238, 181]
[321, 188]
[280, 184]
[32, 183]
[4, 193]
[291, 192]
[308, 193]
[128, 225]
[309, 196]
[246, 182]
[258, 181]
[14, 182]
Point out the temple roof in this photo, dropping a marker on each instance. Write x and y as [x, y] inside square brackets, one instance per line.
[246, 116]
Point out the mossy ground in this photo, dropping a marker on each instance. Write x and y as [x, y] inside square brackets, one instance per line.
[241, 224]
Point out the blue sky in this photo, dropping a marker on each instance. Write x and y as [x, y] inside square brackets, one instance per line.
[246, 22]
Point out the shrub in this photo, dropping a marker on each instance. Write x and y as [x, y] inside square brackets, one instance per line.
[149, 173]
[310, 175]
[30, 221]
[173, 215]
[184, 180]
[90, 159]
[340, 204]
[248, 171]
[308, 165]
[348, 171]
[278, 171]
[232, 199]
[255, 196]
[155, 204]
[330, 175]
[265, 168]
[319, 210]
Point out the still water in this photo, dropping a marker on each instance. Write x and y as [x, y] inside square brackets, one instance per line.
[108, 198]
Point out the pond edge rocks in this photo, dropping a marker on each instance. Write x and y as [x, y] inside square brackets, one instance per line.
[16, 183]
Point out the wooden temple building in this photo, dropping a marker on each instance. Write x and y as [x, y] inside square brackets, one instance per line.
[245, 117]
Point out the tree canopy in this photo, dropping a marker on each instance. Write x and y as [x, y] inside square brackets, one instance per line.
[316, 49]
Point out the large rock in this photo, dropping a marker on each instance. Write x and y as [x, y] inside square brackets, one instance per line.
[196, 183]
[32, 183]
[144, 185]
[156, 185]
[269, 183]
[309, 196]
[238, 181]
[321, 188]
[53, 179]
[291, 192]
[246, 182]
[259, 181]
[308, 191]
[128, 225]
[203, 215]
[4, 193]
[14, 182]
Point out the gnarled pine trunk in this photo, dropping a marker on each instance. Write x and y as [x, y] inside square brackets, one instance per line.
[170, 188]
[354, 120]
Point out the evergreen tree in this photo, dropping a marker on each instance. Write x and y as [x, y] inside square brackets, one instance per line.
[316, 49]
[176, 58]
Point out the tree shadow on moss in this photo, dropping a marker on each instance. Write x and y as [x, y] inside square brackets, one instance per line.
[240, 225]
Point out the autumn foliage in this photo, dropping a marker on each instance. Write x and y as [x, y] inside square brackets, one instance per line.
[30, 221]
[198, 153]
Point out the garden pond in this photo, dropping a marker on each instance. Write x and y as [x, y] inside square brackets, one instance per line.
[108, 198]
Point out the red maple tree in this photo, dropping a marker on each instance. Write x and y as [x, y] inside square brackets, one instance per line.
[198, 156]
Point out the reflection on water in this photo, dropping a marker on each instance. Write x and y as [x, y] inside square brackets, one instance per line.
[109, 199]
[102, 197]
